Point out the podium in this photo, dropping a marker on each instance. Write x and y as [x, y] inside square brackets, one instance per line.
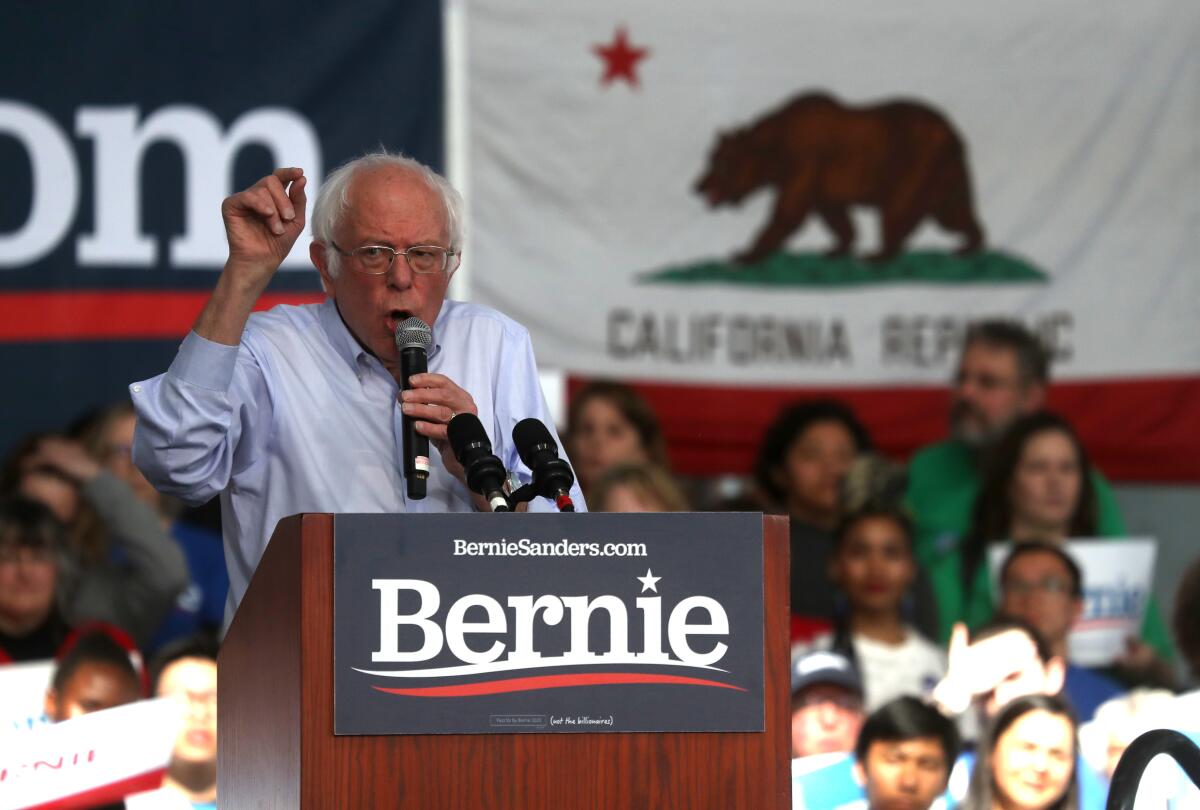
[277, 746]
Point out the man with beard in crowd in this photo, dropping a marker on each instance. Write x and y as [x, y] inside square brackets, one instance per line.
[1003, 373]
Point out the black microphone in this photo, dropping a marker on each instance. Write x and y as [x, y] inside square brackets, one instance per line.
[552, 477]
[485, 472]
[413, 340]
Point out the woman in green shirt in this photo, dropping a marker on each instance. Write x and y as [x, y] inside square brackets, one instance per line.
[1037, 485]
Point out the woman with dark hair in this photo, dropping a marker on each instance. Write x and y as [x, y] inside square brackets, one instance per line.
[1038, 485]
[31, 561]
[875, 569]
[608, 424]
[802, 461]
[1028, 759]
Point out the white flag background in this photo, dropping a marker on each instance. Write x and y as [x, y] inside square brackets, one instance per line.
[589, 126]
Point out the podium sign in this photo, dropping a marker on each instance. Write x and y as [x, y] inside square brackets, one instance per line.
[453, 624]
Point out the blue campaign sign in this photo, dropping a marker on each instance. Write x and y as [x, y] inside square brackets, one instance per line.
[453, 624]
[121, 130]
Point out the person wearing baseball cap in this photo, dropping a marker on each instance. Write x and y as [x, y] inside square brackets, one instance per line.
[827, 704]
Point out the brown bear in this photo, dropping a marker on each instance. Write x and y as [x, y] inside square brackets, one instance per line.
[822, 157]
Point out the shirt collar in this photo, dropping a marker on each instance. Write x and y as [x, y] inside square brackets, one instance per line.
[345, 344]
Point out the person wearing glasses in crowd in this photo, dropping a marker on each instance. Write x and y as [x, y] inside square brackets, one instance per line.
[298, 409]
[1041, 584]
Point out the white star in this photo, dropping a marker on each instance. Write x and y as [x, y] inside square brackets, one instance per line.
[649, 582]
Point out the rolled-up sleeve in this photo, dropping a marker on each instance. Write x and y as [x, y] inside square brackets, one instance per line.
[194, 420]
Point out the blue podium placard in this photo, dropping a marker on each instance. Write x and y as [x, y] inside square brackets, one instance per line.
[464, 624]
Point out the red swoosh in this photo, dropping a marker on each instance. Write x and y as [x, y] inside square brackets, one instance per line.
[552, 682]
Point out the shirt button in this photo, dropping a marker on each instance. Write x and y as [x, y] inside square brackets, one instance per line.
[137, 389]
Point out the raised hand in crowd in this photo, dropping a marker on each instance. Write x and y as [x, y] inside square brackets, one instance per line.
[998, 668]
[63, 456]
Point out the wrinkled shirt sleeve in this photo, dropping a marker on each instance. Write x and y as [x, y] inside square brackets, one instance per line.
[201, 422]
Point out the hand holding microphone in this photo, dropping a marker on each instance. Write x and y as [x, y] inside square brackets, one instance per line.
[428, 401]
[434, 407]
[413, 339]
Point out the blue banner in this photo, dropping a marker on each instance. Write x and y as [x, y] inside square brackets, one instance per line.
[121, 130]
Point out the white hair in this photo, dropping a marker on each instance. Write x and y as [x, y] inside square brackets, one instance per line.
[333, 198]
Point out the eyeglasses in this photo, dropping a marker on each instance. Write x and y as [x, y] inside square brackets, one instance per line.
[1053, 585]
[375, 260]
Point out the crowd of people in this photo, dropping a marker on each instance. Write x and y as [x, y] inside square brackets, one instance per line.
[911, 661]
[914, 658]
[111, 581]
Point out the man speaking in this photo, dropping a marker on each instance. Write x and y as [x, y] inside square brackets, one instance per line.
[300, 409]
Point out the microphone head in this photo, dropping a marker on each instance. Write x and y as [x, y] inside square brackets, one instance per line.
[413, 333]
[465, 431]
[532, 437]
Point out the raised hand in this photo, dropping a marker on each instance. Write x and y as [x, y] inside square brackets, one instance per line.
[65, 457]
[263, 222]
[974, 670]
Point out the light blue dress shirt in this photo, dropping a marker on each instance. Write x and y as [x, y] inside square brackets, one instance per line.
[301, 418]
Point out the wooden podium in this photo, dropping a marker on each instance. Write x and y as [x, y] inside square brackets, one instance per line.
[277, 747]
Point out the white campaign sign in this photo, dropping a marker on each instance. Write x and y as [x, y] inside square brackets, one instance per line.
[1078, 162]
[1117, 580]
[22, 695]
[92, 755]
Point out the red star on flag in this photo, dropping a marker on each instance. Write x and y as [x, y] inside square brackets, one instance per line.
[620, 59]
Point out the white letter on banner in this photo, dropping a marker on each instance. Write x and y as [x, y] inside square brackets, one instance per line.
[652, 630]
[525, 609]
[678, 630]
[208, 158]
[457, 627]
[390, 620]
[55, 184]
[581, 610]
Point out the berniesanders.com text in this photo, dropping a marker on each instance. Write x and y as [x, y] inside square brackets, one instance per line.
[532, 548]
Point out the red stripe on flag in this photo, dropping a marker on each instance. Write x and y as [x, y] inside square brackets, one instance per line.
[110, 793]
[553, 682]
[30, 317]
[1134, 429]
